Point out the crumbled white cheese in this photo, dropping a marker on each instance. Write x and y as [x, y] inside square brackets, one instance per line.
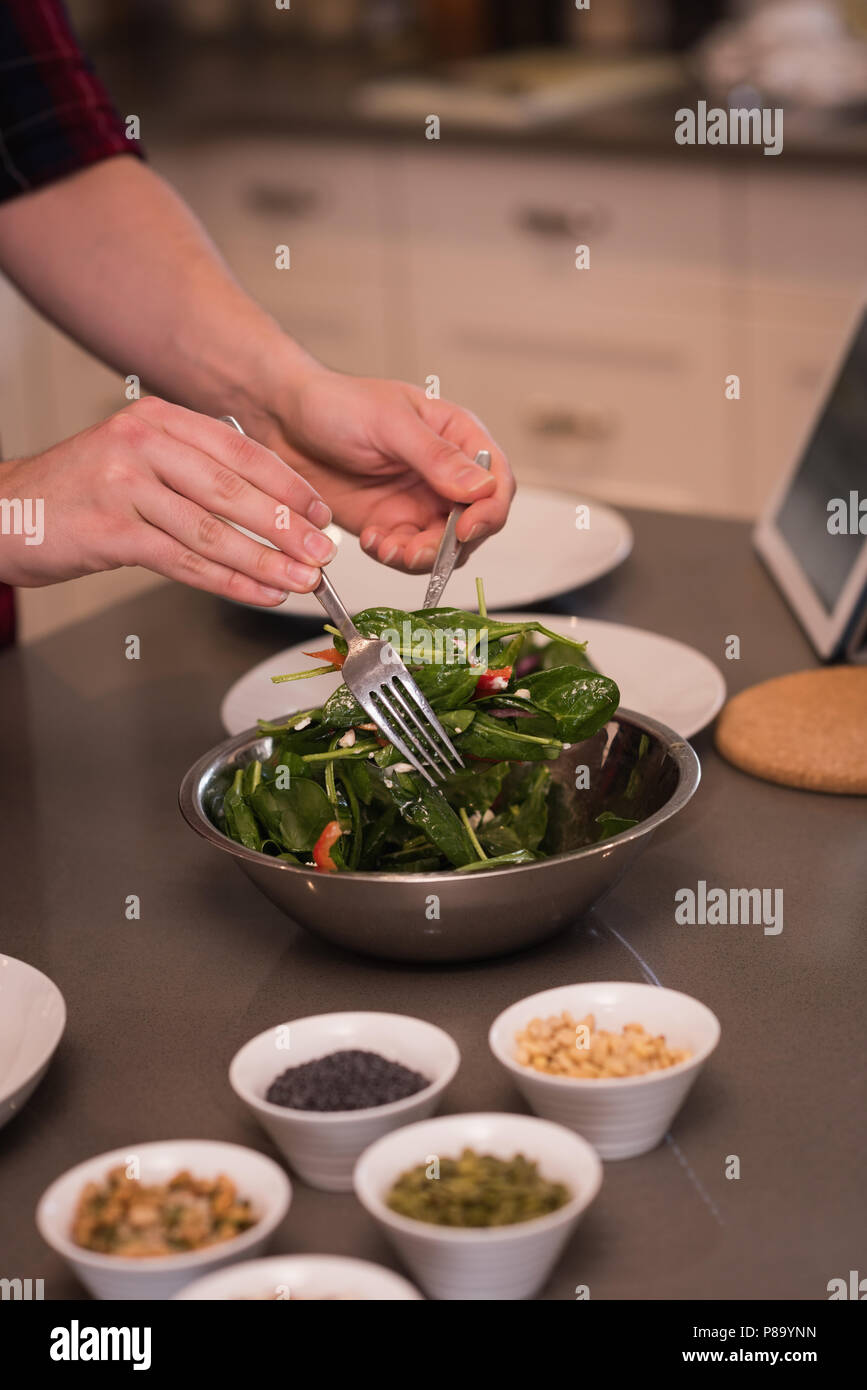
[524, 694]
[302, 724]
[499, 683]
[389, 784]
[371, 727]
[475, 819]
[459, 731]
[347, 740]
[372, 755]
[401, 767]
[488, 816]
[566, 746]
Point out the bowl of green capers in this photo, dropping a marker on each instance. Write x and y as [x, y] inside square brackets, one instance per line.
[479, 1206]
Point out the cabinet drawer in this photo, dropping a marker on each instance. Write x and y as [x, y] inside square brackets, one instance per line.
[321, 201]
[804, 231]
[652, 436]
[497, 237]
[629, 210]
[326, 203]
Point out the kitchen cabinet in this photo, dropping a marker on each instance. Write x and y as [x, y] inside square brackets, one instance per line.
[629, 408]
[499, 235]
[461, 265]
[607, 379]
[329, 206]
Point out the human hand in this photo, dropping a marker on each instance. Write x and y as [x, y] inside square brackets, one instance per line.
[142, 488]
[390, 462]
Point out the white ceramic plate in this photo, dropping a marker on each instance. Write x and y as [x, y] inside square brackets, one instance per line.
[302, 1276]
[32, 1019]
[657, 676]
[542, 525]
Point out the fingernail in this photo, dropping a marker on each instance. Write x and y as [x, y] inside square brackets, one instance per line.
[321, 547]
[424, 559]
[370, 539]
[477, 530]
[305, 575]
[276, 594]
[319, 514]
[473, 478]
[389, 554]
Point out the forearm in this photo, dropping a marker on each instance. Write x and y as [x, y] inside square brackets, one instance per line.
[115, 258]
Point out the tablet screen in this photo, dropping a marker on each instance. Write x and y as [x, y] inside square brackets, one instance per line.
[833, 468]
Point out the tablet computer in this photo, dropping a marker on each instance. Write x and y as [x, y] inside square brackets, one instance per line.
[813, 536]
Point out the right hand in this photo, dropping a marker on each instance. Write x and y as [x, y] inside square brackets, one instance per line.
[143, 488]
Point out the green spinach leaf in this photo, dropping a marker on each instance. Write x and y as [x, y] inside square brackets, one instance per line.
[581, 704]
[296, 816]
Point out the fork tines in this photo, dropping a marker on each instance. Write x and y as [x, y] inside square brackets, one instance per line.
[424, 741]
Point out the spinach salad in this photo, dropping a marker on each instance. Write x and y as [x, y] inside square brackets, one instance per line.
[335, 796]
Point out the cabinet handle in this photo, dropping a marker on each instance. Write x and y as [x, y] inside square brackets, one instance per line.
[558, 222]
[554, 423]
[269, 199]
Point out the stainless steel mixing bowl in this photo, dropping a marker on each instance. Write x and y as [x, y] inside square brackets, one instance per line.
[638, 768]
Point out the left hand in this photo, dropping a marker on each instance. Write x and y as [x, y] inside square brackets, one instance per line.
[391, 463]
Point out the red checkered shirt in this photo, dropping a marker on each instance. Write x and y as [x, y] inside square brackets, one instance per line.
[55, 117]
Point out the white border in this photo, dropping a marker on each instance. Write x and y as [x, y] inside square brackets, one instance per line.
[826, 632]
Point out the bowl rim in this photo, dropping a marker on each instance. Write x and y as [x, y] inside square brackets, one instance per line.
[393, 1107]
[353, 1263]
[159, 1264]
[678, 749]
[462, 1235]
[55, 1032]
[614, 1084]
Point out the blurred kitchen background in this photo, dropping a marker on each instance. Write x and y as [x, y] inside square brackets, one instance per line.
[455, 258]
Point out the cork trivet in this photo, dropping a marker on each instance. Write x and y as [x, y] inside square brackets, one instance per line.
[808, 729]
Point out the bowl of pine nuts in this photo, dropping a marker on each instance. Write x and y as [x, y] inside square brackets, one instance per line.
[613, 1061]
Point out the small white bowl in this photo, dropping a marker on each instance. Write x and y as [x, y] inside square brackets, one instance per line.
[32, 1019]
[490, 1263]
[304, 1276]
[623, 1116]
[322, 1146]
[257, 1177]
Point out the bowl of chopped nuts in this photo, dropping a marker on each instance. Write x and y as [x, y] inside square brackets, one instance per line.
[613, 1061]
[142, 1221]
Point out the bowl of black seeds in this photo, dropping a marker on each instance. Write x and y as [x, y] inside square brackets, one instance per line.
[350, 1079]
[326, 1087]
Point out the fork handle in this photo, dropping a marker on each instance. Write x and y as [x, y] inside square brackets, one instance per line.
[324, 591]
[327, 596]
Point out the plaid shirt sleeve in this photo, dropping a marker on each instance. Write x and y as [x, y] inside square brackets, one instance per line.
[55, 114]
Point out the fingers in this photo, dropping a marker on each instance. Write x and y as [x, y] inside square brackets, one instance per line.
[202, 534]
[244, 456]
[439, 459]
[165, 555]
[212, 480]
[487, 516]
[442, 451]
[395, 546]
[487, 513]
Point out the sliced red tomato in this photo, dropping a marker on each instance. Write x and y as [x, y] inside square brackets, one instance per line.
[490, 682]
[331, 654]
[322, 849]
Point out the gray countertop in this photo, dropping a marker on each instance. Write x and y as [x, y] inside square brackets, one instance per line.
[94, 748]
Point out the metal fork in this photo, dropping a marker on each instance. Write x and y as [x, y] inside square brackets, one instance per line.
[386, 691]
[450, 547]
